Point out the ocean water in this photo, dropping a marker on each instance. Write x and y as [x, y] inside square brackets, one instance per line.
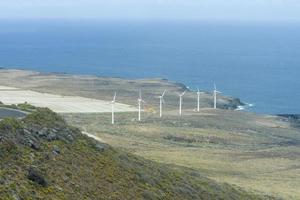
[258, 63]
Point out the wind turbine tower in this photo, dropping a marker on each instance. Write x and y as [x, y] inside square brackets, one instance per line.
[180, 102]
[113, 109]
[198, 100]
[140, 100]
[161, 101]
[216, 92]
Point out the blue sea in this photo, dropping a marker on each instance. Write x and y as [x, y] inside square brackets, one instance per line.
[258, 63]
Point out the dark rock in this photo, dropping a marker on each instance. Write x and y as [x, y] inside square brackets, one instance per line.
[101, 147]
[47, 156]
[37, 177]
[70, 138]
[294, 119]
[56, 149]
[33, 144]
[34, 129]
[66, 138]
[52, 136]
[2, 181]
[231, 104]
[26, 132]
[43, 132]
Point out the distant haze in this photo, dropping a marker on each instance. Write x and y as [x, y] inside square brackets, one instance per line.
[221, 10]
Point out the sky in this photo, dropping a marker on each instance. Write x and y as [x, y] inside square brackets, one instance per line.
[232, 10]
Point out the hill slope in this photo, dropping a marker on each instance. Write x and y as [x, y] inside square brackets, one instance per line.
[44, 158]
[255, 152]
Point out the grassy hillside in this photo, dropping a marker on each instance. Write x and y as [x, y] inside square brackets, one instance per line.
[256, 152]
[44, 158]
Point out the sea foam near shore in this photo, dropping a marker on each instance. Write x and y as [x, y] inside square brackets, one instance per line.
[245, 107]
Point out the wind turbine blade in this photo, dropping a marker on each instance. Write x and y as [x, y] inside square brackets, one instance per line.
[163, 101]
[163, 93]
[114, 99]
[215, 86]
[140, 94]
[183, 93]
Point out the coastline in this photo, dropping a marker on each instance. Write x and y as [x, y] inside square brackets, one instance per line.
[102, 88]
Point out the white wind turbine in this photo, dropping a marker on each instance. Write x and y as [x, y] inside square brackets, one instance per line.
[180, 102]
[140, 100]
[161, 101]
[113, 109]
[216, 92]
[198, 100]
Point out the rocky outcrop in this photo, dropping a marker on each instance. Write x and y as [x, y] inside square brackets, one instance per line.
[36, 176]
[294, 119]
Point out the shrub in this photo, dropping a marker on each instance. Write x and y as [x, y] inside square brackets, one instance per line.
[10, 124]
[46, 118]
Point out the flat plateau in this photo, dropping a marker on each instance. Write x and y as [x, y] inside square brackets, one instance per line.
[59, 103]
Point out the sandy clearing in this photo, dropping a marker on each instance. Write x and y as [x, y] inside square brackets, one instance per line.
[58, 103]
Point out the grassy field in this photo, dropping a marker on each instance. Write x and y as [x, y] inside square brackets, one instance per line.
[258, 153]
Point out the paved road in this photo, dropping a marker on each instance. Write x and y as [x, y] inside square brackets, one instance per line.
[7, 112]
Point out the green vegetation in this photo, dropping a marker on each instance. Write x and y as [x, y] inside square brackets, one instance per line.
[45, 117]
[22, 106]
[26, 107]
[255, 152]
[10, 124]
[44, 158]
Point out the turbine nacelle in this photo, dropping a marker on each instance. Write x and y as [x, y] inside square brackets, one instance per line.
[162, 96]
[161, 101]
[181, 94]
[180, 101]
[215, 89]
[140, 99]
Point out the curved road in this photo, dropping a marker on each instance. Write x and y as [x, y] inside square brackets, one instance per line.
[8, 112]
